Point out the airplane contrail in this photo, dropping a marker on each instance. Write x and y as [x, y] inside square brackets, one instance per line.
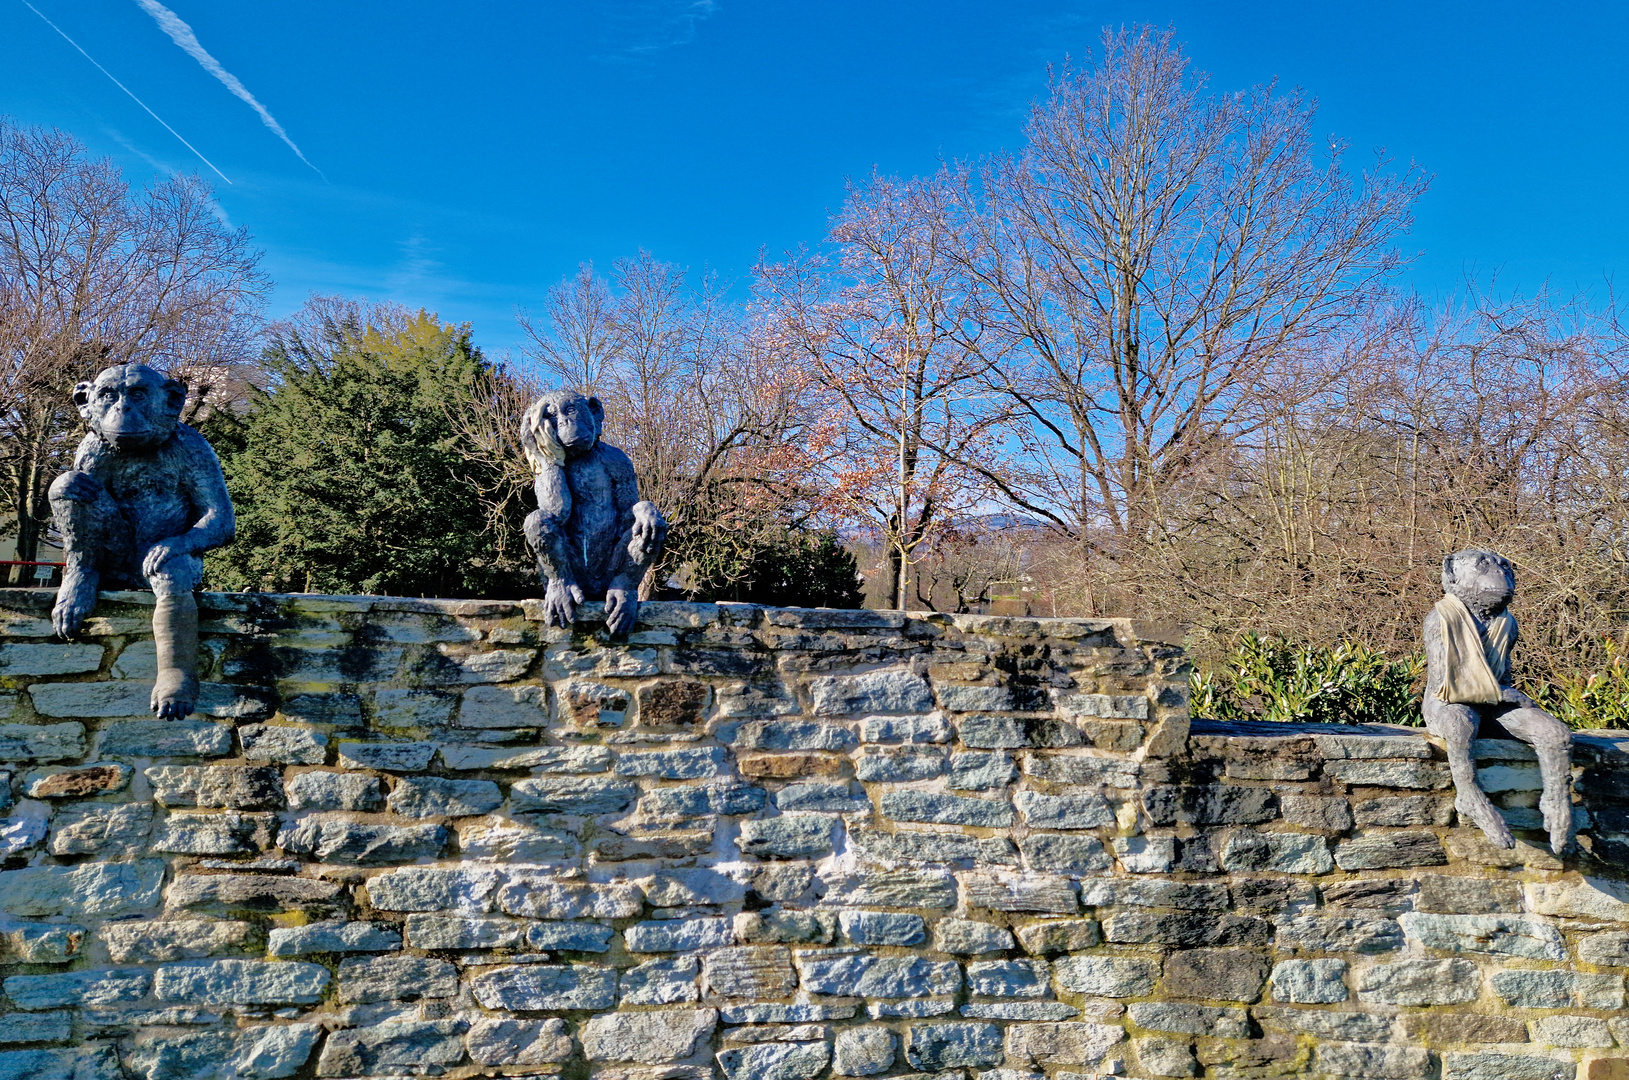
[126, 89]
[180, 33]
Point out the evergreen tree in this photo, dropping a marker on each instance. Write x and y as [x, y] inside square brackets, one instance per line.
[346, 474]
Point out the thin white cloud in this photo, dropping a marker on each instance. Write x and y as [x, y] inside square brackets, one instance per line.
[641, 28]
[123, 87]
[180, 33]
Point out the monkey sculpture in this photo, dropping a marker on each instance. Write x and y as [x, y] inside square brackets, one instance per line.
[144, 501]
[1468, 638]
[593, 536]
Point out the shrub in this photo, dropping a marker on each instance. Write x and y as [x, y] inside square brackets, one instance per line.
[1591, 699]
[781, 567]
[1271, 678]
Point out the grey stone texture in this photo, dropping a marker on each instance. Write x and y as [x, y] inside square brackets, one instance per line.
[756, 844]
[650, 1038]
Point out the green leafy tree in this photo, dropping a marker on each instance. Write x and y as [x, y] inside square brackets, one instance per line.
[347, 475]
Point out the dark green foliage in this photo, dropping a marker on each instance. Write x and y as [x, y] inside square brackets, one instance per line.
[346, 475]
[1269, 678]
[783, 567]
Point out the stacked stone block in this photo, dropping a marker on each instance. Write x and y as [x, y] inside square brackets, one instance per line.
[415, 838]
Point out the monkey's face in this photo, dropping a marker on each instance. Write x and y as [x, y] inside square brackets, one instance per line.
[131, 406]
[577, 421]
[561, 425]
[1483, 580]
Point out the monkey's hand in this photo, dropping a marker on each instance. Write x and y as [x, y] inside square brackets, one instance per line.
[647, 535]
[1511, 696]
[75, 601]
[78, 487]
[560, 602]
[621, 609]
[162, 552]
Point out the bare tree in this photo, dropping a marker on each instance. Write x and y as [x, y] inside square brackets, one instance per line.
[93, 273]
[697, 393]
[891, 333]
[576, 339]
[1160, 259]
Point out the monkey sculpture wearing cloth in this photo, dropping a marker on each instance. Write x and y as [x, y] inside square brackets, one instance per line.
[1468, 638]
[144, 501]
[592, 535]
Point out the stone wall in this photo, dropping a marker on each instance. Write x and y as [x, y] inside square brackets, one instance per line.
[435, 838]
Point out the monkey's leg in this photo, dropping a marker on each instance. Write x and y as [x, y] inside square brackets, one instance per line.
[94, 534]
[1456, 725]
[1551, 740]
[175, 634]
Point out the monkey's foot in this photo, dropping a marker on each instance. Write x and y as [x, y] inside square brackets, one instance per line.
[76, 599]
[1557, 810]
[175, 693]
[1487, 818]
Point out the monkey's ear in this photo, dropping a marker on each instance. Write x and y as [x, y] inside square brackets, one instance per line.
[82, 396]
[175, 396]
[597, 409]
[1447, 570]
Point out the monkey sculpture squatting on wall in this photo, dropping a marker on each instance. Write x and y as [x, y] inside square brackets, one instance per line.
[144, 501]
[592, 535]
[1468, 638]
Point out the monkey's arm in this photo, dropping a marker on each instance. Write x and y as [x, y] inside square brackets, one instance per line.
[642, 528]
[205, 487]
[1507, 687]
[553, 511]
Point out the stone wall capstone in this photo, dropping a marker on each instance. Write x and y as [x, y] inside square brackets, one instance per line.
[424, 837]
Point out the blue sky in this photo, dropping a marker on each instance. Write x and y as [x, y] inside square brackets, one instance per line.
[471, 154]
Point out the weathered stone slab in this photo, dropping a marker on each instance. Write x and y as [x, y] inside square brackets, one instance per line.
[105, 829]
[518, 1042]
[434, 796]
[237, 787]
[896, 690]
[572, 795]
[240, 982]
[105, 889]
[543, 987]
[283, 744]
[385, 1048]
[179, 939]
[1420, 982]
[42, 742]
[332, 937]
[333, 791]
[395, 978]
[165, 739]
[31, 659]
[106, 986]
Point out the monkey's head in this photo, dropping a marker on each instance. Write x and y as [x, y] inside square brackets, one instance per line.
[1483, 580]
[560, 426]
[131, 406]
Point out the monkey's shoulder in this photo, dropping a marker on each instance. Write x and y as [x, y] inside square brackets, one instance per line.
[616, 463]
[193, 450]
[603, 460]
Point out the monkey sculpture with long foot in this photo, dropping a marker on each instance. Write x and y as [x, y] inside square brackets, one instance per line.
[144, 500]
[1468, 638]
